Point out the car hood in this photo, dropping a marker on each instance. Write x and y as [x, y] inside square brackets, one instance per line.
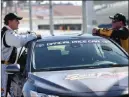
[82, 81]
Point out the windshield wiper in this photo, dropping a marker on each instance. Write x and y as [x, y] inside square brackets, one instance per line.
[89, 66]
[99, 64]
[109, 64]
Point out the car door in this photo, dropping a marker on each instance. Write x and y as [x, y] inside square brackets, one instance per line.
[18, 79]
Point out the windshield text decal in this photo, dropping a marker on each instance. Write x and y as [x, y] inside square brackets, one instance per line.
[71, 42]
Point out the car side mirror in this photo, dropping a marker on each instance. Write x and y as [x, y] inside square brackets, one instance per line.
[13, 68]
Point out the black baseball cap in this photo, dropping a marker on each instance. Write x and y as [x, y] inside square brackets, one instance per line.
[12, 16]
[118, 17]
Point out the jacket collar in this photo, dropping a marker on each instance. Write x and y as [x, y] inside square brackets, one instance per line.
[8, 27]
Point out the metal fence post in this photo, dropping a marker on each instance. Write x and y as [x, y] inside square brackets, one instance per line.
[30, 15]
[84, 25]
[51, 17]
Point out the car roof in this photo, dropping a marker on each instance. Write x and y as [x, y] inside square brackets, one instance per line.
[67, 37]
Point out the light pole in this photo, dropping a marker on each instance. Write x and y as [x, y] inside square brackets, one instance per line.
[51, 17]
[89, 16]
[15, 4]
[30, 15]
[84, 25]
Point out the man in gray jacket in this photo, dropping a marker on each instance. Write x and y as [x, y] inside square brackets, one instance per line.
[10, 41]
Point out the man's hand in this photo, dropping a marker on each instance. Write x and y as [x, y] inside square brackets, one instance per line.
[95, 31]
[29, 32]
[38, 36]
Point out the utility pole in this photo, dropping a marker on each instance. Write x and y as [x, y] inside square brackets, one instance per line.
[51, 17]
[9, 5]
[84, 25]
[1, 8]
[89, 16]
[6, 8]
[15, 4]
[30, 15]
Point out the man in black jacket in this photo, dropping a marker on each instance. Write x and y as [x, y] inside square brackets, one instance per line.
[119, 32]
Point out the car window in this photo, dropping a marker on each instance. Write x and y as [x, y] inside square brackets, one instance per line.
[113, 53]
[76, 53]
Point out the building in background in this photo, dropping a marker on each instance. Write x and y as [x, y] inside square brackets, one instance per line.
[66, 16]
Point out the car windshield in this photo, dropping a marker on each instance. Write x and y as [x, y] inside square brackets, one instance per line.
[76, 53]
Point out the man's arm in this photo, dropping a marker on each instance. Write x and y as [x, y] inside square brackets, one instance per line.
[105, 32]
[16, 40]
[121, 33]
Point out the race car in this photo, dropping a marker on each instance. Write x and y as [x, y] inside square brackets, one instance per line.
[70, 66]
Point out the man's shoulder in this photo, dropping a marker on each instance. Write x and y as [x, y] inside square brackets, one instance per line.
[7, 29]
[4, 29]
[124, 28]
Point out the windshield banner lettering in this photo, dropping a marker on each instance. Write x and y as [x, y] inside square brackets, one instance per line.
[70, 42]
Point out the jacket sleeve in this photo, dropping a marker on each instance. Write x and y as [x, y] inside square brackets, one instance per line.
[105, 32]
[121, 33]
[16, 40]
